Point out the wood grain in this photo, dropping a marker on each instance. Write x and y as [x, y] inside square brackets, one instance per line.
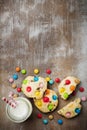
[43, 34]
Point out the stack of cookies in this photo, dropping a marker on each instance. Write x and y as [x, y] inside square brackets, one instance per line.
[46, 100]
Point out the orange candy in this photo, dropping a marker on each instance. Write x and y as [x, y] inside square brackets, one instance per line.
[18, 69]
[72, 87]
[47, 91]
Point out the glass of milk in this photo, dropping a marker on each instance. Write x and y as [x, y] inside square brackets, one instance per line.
[21, 112]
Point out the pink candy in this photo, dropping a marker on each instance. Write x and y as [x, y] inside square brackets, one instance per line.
[11, 80]
[84, 99]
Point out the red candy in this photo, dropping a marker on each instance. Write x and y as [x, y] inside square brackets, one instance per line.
[18, 89]
[81, 89]
[45, 99]
[28, 89]
[57, 80]
[39, 115]
[48, 71]
[67, 82]
[74, 93]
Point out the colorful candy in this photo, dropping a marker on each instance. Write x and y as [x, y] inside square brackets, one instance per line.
[81, 89]
[54, 97]
[36, 78]
[39, 115]
[51, 82]
[65, 95]
[47, 79]
[57, 80]
[48, 71]
[18, 69]
[23, 71]
[11, 80]
[67, 82]
[14, 86]
[77, 110]
[45, 121]
[45, 99]
[84, 98]
[28, 89]
[19, 89]
[51, 117]
[60, 121]
[15, 76]
[36, 71]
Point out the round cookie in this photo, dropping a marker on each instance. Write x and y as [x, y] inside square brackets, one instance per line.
[72, 109]
[34, 86]
[48, 102]
[67, 86]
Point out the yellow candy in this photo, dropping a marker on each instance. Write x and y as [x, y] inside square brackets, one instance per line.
[36, 71]
[47, 79]
[39, 103]
[62, 90]
[37, 93]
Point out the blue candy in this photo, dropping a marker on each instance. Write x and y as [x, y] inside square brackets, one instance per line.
[60, 121]
[54, 97]
[15, 76]
[51, 82]
[77, 110]
[45, 121]
[36, 78]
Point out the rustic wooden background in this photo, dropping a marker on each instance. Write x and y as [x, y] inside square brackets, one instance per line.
[43, 34]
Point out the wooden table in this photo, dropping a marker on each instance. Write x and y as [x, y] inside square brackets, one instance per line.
[43, 34]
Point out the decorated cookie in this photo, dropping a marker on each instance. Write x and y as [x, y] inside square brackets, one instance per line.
[48, 102]
[72, 109]
[67, 86]
[34, 86]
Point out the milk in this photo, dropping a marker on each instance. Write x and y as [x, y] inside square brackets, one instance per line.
[21, 112]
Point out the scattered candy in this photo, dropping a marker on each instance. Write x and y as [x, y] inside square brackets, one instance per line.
[15, 76]
[23, 71]
[60, 121]
[57, 80]
[48, 71]
[39, 115]
[11, 80]
[47, 79]
[36, 71]
[84, 99]
[45, 121]
[67, 82]
[15, 95]
[51, 117]
[81, 89]
[18, 89]
[14, 86]
[18, 69]
[51, 82]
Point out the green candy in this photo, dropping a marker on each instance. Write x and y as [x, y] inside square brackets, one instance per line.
[50, 107]
[23, 71]
[65, 95]
[25, 81]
